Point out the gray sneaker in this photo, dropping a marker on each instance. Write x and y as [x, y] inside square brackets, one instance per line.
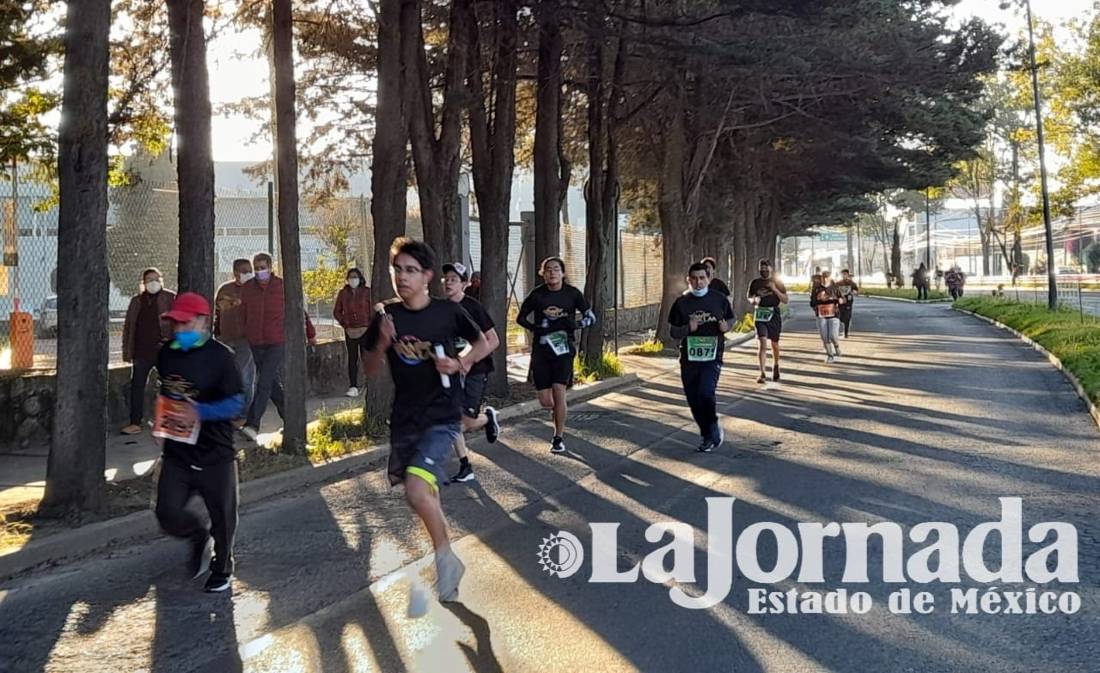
[448, 574]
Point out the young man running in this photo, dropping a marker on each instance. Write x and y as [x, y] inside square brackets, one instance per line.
[549, 313]
[716, 283]
[200, 395]
[848, 292]
[700, 318]
[766, 294]
[456, 278]
[417, 334]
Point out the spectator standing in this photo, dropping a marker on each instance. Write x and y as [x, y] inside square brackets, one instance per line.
[143, 332]
[353, 312]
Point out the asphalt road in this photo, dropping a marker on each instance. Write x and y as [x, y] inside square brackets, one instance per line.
[929, 416]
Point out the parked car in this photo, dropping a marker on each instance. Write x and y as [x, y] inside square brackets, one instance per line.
[1067, 271]
[45, 318]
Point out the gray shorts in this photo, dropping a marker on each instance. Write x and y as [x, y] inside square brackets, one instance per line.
[473, 392]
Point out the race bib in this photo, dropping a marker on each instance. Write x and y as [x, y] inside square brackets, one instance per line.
[176, 420]
[764, 313]
[558, 342]
[702, 349]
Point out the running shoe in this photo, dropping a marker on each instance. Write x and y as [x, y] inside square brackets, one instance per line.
[775, 373]
[492, 428]
[202, 550]
[830, 360]
[465, 473]
[721, 437]
[352, 392]
[705, 446]
[218, 582]
[448, 574]
[557, 445]
[251, 433]
[762, 379]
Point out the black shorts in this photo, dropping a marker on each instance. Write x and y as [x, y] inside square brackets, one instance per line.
[422, 451]
[473, 392]
[549, 369]
[772, 329]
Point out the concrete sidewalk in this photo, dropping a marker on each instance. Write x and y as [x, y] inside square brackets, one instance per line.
[23, 471]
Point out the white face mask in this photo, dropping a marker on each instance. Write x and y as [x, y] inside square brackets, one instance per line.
[245, 277]
[700, 293]
[353, 282]
[152, 287]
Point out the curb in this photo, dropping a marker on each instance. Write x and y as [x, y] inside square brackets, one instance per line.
[55, 548]
[906, 301]
[1093, 410]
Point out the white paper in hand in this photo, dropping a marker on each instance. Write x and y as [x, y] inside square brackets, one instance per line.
[445, 379]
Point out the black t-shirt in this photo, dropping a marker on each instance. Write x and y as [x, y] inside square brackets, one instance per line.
[420, 398]
[481, 318]
[847, 290]
[545, 311]
[203, 374]
[759, 288]
[718, 285]
[708, 310]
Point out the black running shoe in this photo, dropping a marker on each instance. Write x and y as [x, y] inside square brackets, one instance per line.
[465, 473]
[775, 373]
[492, 428]
[705, 446]
[218, 582]
[557, 445]
[761, 379]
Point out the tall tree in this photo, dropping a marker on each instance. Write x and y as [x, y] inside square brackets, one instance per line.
[286, 149]
[548, 166]
[74, 469]
[389, 177]
[492, 138]
[191, 95]
[435, 152]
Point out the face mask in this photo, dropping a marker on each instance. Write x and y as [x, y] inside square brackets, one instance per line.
[700, 293]
[353, 282]
[152, 287]
[187, 340]
[264, 275]
[245, 277]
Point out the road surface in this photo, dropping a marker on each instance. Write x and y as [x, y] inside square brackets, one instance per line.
[929, 416]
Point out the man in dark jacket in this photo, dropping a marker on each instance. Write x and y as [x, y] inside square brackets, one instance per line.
[229, 325]
[200, 394]
[142, 335]
[264, 311]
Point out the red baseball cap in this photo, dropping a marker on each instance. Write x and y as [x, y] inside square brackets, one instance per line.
[186, 307]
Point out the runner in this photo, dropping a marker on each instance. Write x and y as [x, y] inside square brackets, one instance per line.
[848, 292]
[549, 313]
[455, 280]
[200, 395]
[766, 294]
[825, 301]
[716, 283]
[417, 333]
[700, 319]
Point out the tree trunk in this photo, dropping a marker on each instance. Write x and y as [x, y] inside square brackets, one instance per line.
[74, 469]
[195, 162]
[675, 234]
[548, 168]
[492, 139]
[286, 144]
[389, 178]
[895, 257]
[601, 193]
[742, 272]
[437, 159]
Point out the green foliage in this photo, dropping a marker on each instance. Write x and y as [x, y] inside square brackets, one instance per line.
[1072, 339]
[322, 283]
[608, 366]
[1091, 257]
[651, 347]
[747, 323]
[335, 434]
[900, 293]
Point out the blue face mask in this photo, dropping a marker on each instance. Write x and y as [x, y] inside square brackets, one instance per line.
[188, 340]
[700, 293]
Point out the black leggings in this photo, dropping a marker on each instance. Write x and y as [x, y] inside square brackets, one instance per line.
[354, 347]
[217, 486]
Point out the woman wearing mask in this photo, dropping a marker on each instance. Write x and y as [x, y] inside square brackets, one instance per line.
[143, 332]
[353, 313]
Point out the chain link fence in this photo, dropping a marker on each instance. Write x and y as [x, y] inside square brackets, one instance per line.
[142, 232]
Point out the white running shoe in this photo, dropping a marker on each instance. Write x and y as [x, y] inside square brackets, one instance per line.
[352, 392]
[448, 574]
[830, 360]
[251, 432]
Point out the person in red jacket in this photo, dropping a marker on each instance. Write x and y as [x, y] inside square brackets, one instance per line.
[353, 312]
[264, 313]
